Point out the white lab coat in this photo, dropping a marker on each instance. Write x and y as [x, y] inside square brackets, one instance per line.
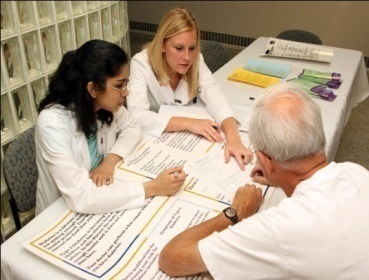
[63, 161]
[146, 95]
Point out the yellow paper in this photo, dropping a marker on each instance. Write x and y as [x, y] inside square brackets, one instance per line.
[245, 76]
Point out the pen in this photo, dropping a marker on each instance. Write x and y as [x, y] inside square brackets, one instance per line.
[215, 127]
[177, 173]
[266, 190]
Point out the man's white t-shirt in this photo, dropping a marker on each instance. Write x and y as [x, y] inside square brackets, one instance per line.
[320, 232]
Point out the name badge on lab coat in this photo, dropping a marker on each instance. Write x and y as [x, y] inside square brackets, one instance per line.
[101, 140]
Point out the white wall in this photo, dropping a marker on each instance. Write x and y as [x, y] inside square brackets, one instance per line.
[343, 24]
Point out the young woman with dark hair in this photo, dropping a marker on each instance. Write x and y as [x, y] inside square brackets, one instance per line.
[83, 131]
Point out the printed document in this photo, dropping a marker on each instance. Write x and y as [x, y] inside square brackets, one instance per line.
[126, 244]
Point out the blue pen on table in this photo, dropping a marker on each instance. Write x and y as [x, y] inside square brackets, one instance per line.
[266, 190]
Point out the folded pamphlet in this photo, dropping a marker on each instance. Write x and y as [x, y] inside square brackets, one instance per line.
[314, 89]
[330, 79]
[321, 74]
[249, 77]
[268, 68]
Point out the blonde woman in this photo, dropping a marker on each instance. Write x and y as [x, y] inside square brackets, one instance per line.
[171, 71]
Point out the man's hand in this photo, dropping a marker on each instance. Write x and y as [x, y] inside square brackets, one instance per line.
[247, 200]
[257, 175]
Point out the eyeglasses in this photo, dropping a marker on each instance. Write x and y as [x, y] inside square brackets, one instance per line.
[122, 89]
[252, 149]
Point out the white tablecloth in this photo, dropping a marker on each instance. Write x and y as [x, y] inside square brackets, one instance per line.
[354, 88]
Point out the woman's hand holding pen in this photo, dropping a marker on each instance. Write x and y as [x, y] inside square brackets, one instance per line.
[166, 183]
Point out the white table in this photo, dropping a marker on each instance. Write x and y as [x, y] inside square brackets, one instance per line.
[353, 89]
[18, 263]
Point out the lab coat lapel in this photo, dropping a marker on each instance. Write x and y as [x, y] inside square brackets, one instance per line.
[177, 97]
[181, 93]
[167, 96]
[81, 143]
[82, 146]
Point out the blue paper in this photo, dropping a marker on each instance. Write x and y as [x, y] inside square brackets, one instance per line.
[268, 68]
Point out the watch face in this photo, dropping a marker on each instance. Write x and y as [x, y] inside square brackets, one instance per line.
[230, 212]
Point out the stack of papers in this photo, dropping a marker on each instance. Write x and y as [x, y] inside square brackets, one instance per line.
[329, 79]
[319, 84]
[260, 73]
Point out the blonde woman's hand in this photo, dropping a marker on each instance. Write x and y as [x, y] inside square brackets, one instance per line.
[235, 148]
[207, 128]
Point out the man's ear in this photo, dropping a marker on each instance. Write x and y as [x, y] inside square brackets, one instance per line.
[92, 89]
[267, 163]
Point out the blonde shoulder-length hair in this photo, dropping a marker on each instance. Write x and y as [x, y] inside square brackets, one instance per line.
[174, 22]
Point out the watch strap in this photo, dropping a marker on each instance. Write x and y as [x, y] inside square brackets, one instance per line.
[234, 217]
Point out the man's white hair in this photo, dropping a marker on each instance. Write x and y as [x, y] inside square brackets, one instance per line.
[286, 124]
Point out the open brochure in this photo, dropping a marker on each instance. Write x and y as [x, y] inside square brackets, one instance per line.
[126, 244]
[291, 49]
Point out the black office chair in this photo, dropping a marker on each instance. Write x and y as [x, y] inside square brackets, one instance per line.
[215, 55]
[21, 174]
[300, 36]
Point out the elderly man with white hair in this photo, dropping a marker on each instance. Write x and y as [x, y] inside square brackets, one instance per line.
[320, 231]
